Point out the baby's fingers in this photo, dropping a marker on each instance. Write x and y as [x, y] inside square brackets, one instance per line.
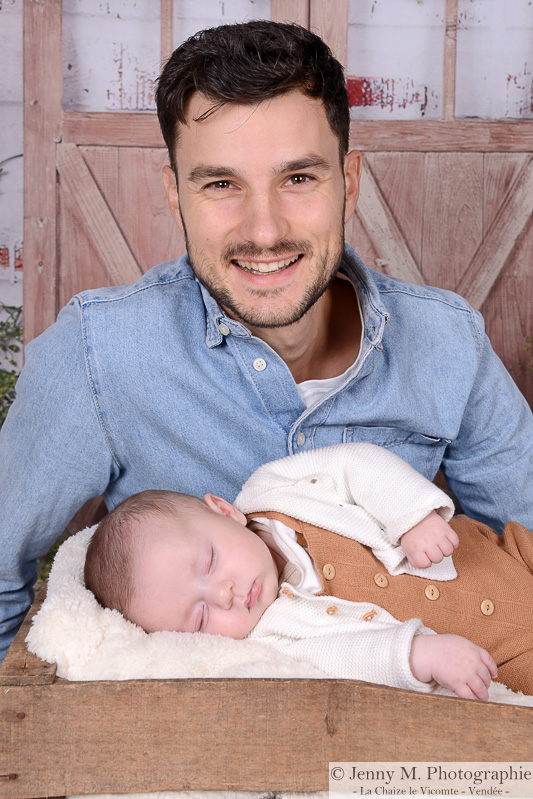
[489, 663]
[479, 688]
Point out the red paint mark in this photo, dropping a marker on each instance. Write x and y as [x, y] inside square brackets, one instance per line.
[4, 258]
[370, 91]
[359, 92]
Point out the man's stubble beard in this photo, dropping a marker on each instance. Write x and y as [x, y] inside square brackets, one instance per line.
[325, 275]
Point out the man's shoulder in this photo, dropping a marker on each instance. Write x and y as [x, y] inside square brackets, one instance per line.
[394, 288]
[414, 309]
[163, 276]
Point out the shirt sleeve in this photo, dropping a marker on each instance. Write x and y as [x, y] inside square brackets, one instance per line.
[387, 496]
[53, 458]
[489, 466]
[340, 644]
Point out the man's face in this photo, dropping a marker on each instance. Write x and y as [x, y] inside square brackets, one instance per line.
[206, 572]
[262, 203]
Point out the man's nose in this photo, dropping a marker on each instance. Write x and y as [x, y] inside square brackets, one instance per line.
[263, 221]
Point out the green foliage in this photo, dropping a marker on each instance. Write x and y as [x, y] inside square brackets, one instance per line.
[527, 347]
[10, 345]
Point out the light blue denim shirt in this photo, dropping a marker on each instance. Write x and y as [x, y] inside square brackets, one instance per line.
[153, 386]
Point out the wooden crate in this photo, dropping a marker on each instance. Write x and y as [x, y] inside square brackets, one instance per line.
[60, 737]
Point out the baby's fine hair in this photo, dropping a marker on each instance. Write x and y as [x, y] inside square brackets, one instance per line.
[109, 564]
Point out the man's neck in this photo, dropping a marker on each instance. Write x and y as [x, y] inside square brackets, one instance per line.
[325, 342]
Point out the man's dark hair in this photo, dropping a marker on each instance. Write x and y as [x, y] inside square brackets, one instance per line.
[248, 63]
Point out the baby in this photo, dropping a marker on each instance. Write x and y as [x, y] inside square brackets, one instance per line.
[344, 557]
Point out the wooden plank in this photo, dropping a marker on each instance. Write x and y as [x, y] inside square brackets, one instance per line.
[441, 136]
[393, 253]
[43, 93]
[120, 263]
[143, 212]
[141, 129]
[290, 11]
[167, 39]
[329, 19]
[508, 310]
[401, 177]
[234, 734]
[19, 666]
[491, 256]
[453, 216]
[450, 57]
[356, 235]
[81, 265]
[500, 172]
[112, 129]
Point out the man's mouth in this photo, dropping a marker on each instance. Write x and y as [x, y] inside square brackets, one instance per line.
[251, 599]
[266, 268]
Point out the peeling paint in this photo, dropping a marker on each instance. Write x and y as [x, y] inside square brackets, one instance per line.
[6, 258]
[388, 93]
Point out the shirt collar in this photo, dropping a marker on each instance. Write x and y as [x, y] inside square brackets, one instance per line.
[216, 319]
[375, 314]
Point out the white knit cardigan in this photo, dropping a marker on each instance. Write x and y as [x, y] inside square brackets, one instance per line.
[363, 492]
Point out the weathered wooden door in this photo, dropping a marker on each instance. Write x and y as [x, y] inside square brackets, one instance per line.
[446, 202]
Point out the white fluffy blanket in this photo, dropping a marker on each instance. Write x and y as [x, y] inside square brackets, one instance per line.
[88, 642]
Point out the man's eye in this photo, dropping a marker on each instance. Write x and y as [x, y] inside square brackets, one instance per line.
[300, 180]
[219, 185]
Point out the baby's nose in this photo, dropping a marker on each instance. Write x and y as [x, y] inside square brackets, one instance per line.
[225, 594]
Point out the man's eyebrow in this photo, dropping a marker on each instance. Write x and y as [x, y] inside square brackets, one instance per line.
[207, 172]
[300, 164]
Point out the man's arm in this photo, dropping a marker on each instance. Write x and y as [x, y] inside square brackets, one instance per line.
[53, 458]
[490, 465]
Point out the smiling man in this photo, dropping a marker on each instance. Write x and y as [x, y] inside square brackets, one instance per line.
[269, 337]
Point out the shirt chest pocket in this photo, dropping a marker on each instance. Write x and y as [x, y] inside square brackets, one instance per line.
[423, 452]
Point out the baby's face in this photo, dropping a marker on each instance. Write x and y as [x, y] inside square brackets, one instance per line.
[208, 573]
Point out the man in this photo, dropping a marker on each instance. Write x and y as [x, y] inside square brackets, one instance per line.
[268, 339]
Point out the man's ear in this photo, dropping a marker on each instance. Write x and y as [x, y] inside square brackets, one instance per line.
[353, 165]
[225, 508]
[171, 190]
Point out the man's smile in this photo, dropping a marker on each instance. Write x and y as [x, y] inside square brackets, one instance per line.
[266, 267]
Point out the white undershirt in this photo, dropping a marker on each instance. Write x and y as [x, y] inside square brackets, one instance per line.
[279, 537]
[312, 391]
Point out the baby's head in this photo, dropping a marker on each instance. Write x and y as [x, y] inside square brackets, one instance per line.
[169, 561]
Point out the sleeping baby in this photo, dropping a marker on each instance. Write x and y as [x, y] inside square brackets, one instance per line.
[341, 557]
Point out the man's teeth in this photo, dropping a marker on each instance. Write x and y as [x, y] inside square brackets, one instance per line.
[263, 268]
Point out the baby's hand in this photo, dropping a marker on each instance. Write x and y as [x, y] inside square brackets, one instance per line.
[454, 662]
[429, 541]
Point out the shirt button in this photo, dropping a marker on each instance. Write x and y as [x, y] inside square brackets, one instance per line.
[328, 570]
[224, 329]
[487, 607]
[381, 580]
[432, 592]
[331, 610]
[300, 439]
[259, 364]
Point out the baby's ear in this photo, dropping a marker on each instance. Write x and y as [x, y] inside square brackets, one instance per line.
[225, 508]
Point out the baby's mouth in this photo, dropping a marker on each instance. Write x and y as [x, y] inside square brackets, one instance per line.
[266, 267]
[251, 599]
